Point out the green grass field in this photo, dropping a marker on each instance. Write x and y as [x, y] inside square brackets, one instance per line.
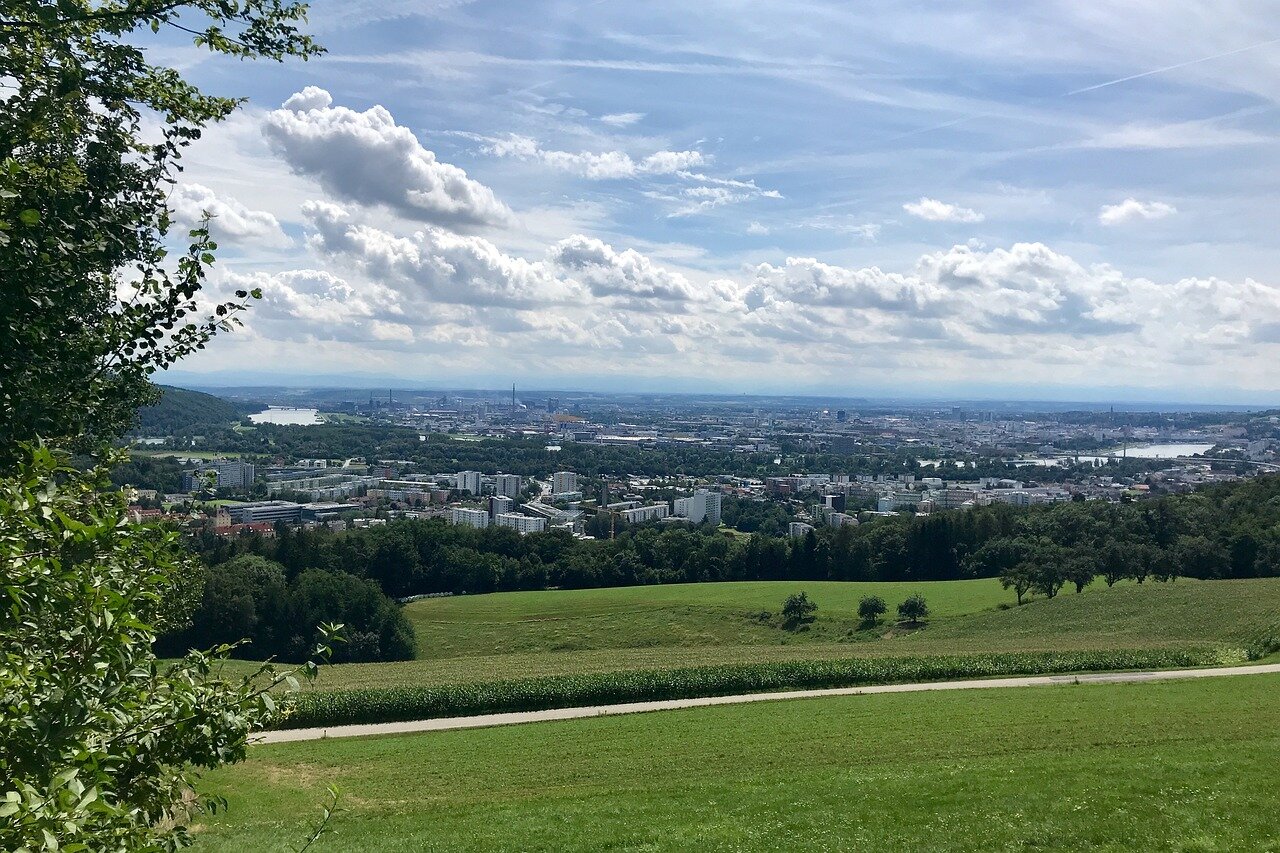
[1159, 766]
[514, 635]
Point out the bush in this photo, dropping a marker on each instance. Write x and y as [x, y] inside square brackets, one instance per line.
[913, 609]
[797, 610]
[871, 608]
[342, 707]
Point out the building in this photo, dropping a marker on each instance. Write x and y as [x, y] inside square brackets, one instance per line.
[641, 514]
[270, 512]
[226, 474]
[500, 504]
[522, 523]
[467, 481]
[508, 485]
[840, 519]
[470, 517]
[702, 505]
[798, 529]
[564, 481]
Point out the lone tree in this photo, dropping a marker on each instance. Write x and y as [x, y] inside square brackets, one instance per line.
[914, 609]
[797, 610]
[871, 608]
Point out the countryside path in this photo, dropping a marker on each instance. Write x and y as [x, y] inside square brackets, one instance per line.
[484, 720]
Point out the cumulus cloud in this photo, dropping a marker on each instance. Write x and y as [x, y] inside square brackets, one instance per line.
[757, 229]
[621, 119]
[607, 272]
[607, 165]
[938, 211]
[365, 157]
[1131, 210]
[435, 264]
[230, 219]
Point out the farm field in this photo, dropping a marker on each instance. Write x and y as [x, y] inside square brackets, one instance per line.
[1159, 766]
[517, 635]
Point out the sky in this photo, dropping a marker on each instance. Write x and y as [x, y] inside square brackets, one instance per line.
[972, 198]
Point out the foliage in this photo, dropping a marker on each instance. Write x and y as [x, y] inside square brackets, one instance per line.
[177, 410]
[84, 213]
[249, 599]
[393, 704]
[871, 608]
[913, 609]
[100, 739]
[797, 610]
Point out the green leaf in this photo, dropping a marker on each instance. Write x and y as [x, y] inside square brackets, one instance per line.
[29, 217]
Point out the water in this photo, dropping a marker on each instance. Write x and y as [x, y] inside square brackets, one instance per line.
[287, 416]
[1147, 451]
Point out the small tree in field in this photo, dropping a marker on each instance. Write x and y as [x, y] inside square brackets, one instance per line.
[914, 609]
[797, 610]
[871, 608]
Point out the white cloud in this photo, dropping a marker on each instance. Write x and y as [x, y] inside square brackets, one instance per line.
[230, 219]
[1131, 209]
[938, 211]
[757, 229]
[607, 165]
[621, 119]
[365, 157]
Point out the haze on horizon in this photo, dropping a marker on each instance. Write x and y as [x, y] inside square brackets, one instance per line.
[1059, 202]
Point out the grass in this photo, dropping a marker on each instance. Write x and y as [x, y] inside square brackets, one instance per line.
[1158, 766]
[529, 634]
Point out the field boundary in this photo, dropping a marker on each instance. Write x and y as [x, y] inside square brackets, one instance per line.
[416, 702]
[554, 714]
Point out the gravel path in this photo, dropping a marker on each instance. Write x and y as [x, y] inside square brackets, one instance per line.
[484, 720]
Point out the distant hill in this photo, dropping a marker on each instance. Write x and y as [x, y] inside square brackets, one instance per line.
[183, 411]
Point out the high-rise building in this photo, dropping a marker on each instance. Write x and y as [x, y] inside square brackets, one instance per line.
[498, 504]
[508, 485]
[469, 517]
[564, 481]
[702, 506]
[467, 481]
[220, 474]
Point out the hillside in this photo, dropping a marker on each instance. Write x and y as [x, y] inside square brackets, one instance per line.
[516, 635]
[183, 411]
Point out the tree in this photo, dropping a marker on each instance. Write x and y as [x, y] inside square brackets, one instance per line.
[1020, 578]
[914, 609]
[84, 211]
[797, 610]
[1117, 563]
[100, 738]
[871, 608]
[1080, 570]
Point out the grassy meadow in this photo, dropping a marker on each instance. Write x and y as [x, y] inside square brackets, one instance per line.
[1158, 766]
[527, 634]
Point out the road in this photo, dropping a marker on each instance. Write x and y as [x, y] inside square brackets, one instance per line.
[485, 720]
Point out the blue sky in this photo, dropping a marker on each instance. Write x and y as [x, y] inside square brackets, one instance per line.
[848, 198]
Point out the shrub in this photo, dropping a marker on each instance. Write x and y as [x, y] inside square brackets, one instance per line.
[797, 610]
[871, 608]
[913, 609]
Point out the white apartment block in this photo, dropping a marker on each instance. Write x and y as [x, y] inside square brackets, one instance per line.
[564, 481]
[469, 517]
[702, 505]
[499, 504]
[797, 529]
[522, 523]
[467, 481]
[641, 514]
[507, 485]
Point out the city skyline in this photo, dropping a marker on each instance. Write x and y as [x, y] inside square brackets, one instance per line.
[1064, 203]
